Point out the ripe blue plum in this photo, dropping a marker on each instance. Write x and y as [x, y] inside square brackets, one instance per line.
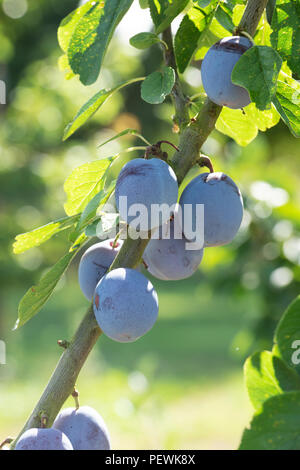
[125, 305]
[223, 207]
[146, 182]
[167, 257]
[216, 70]
[43, 439]
[95, 263]
[84, 427]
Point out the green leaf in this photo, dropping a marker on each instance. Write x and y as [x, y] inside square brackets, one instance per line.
[224, 17]
[270, 10]
[193, 25]
[158, 85]
[91, 229]
[78, 242]
[263, 33]
[263, 120]
[144, 40]
[287, 335]
[40, 235]
[163, 12]
[209, 36]
[287, 103]
[65, 32]
[243, 126]
[276, 425]
[267, 375]
[64, 66]
[105, 225]
[83, 184]
[69, 23]
[257, 70]
[91, 36]
[203, 3]
[92, 105]
[238, 12]
[98, 201]
[285, 37]
[37, 295]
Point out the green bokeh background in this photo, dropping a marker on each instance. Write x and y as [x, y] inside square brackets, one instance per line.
[181, 386]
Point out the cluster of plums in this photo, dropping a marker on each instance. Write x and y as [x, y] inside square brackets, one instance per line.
[125, 302]
[73, 429]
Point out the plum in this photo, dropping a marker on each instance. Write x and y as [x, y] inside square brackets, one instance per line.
[223, 207]
[142, 186]
[216, 70]
[125, 305]
[167, 257]
[95, 263]
[43, 439]
[84, 427]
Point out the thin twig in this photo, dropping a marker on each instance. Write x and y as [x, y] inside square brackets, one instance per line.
[75, 395]
[180, 101]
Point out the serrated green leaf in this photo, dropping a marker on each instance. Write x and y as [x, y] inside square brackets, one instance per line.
[257, 70]
[92, 105]
[287, 103]
[158, 85]
[285, 37]
[163, 12]
[276, 425]
[36, 237]
[267, 375]
[223, 15]
[188, 35]
[243, 126]
[91, 36]
[38, 295]
[287, 335]
[83, 184]
[144, 40]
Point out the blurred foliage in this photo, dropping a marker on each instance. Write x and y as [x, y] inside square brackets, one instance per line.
[209, 323]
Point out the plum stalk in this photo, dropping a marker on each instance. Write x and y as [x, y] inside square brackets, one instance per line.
[193, 134]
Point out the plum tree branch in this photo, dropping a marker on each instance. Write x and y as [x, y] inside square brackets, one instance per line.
[192, 137]
[251, 16]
